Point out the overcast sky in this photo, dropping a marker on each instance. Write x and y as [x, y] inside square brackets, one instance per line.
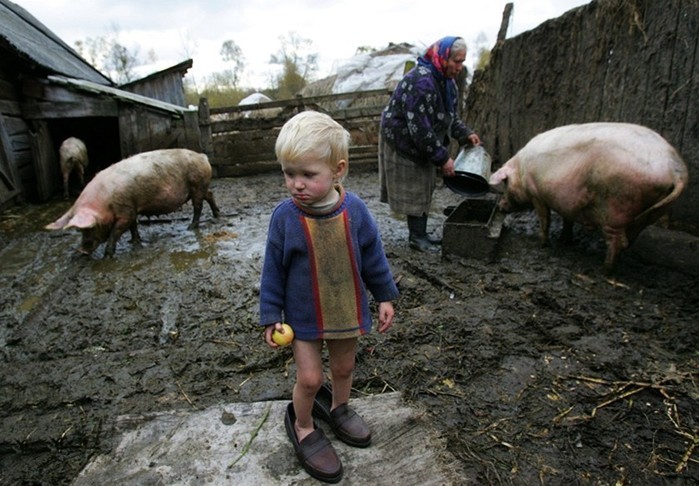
[176, 30]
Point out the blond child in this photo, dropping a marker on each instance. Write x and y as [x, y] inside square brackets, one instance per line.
[323, 254]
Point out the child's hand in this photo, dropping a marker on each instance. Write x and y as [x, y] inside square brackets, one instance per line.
[268, 334]
[385, 316]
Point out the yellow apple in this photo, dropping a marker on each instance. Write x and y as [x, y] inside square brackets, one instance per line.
[283, 338]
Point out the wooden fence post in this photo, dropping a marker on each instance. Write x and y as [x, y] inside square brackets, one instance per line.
[205, 126]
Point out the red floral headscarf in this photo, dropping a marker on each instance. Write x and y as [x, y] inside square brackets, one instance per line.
[435, 59]
[438, 53]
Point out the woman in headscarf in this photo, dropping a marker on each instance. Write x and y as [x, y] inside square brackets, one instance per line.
[416, 128]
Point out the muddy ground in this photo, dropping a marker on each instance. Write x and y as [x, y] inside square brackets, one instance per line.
[534, 367]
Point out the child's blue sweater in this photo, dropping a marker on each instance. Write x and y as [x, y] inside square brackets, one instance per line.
[318, 267]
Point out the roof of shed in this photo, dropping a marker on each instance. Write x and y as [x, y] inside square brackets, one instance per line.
[119, 94]
[179, 68]
[34, 42]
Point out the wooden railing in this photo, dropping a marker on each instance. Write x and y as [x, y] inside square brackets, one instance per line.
[239, 140]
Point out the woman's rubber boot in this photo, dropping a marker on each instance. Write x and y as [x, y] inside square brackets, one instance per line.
[418, 239]
[435, 240]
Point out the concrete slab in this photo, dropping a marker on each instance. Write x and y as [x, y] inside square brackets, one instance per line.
[246, 444]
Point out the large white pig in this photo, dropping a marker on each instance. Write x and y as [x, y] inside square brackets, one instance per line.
[618, 177]
[72, 158]
[149, 183]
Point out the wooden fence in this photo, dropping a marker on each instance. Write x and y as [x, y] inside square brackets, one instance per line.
[240, 139]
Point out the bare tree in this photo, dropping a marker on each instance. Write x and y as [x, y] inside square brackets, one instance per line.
[189, 46]
[232, 53]
[111, 57]
[481, 51]
[298, 63]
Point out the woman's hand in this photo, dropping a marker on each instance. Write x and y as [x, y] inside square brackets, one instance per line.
[448, 168]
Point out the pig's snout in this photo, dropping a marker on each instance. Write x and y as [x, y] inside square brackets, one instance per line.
[505, 203]
[498, 188]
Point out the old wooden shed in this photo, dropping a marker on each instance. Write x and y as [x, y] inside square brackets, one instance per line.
[48, 93]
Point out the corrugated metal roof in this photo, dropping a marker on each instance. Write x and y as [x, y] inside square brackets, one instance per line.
[34, 42]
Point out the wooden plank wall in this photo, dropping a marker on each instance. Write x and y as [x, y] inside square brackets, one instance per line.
[141, 129]
[15, 146]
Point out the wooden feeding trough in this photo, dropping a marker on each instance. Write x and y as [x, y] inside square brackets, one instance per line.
[473, 229]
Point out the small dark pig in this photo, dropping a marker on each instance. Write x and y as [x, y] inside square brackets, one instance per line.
[73, 158]
[618, 177]
[149, 183]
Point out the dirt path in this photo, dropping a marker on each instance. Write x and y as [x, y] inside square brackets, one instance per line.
[534, 368]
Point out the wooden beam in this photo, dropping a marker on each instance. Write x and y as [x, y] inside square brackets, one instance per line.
[505, 24]
[9, 108]
[300, 100]
[86, 108]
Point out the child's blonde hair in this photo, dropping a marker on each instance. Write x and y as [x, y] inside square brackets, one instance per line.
[315, 134]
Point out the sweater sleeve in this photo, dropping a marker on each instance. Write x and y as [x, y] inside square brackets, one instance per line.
[422, 110]
[460, 132]
[376, 272]
[273, 280]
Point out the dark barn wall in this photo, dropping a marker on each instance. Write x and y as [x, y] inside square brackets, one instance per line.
[142, 129]
[611, 60]
[15, 144]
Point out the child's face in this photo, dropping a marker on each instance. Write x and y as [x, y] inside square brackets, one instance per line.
[311, 182]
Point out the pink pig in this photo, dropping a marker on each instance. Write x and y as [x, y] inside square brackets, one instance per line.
[149, 183]
[618, 177]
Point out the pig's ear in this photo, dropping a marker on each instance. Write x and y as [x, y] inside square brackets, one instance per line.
[498, 181]
[82, 221]
[60, 223]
